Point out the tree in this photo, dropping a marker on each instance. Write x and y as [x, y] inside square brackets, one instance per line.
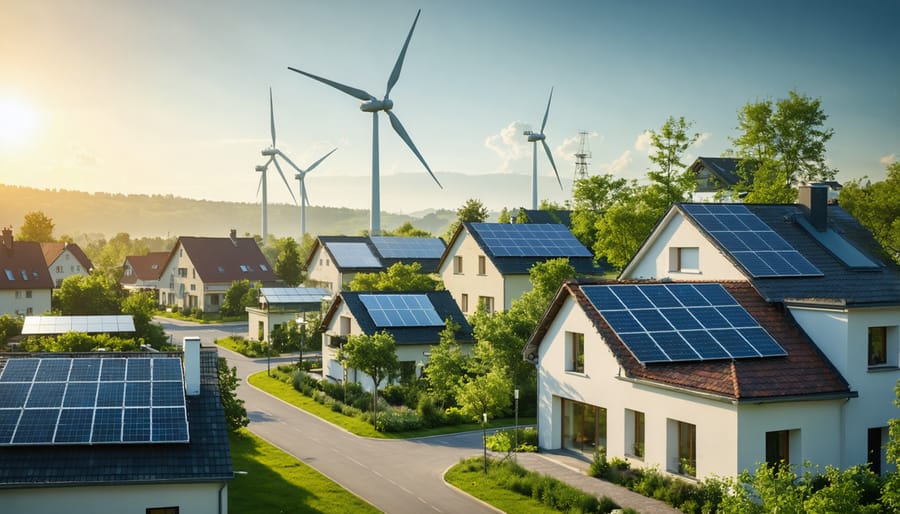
[287, 265]
[780, 146]
[235, 413]
[877, 207]
[671, 179]
[374, 355]
[142, 306]
[36, 227]
[240, 295]
[626, 224]
[592, 197]
[490, 394]
[890, 495]
[112, 253]
[399, 277]
[9, 327]
[446, 366]
[473, 211]
[92, 295]
[406, 230]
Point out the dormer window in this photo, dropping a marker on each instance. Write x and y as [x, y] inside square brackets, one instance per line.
[684, 259]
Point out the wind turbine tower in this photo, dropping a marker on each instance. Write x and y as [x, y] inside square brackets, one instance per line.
[533, 138]
[581, 158]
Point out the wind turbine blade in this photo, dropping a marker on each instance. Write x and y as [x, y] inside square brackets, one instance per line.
[550, 156]
[352, 91]
[303, 198]
[288, 186]
[392, 80]
[259, 186]
[544, 124]
[272, 116]
[289, 161]
[313, 165]
[398, 128]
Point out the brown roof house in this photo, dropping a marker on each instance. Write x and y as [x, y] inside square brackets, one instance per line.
[143, 271]
[25, 283]
[65, 260]
[199, 270]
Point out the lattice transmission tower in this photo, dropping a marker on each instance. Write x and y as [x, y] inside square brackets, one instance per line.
[581, 158]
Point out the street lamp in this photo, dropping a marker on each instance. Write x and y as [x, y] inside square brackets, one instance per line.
[484, 437]
[516, 433]
[302, 322]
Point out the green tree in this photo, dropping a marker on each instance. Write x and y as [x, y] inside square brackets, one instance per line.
[398, 277]
[505, 216]
[670, 179]
[240, 295]
[593, 196]
[235, 412]
[890, 495]
[406, 230]
[80, 342]
[446, 366]
[374, 355]
[626, 224]
[142, 307]
[877, 207]
[490, 393]
[9, 327]
[473, 210]
[781, 145]
[111, 254]
[37, 227]
[287, 265]
[92, 295]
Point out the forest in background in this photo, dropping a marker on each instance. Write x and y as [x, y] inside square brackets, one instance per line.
[105, 214]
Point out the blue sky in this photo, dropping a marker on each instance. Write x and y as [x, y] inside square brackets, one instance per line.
[172, 97]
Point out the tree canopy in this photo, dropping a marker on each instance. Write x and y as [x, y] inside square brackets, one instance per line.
[398, 277]
[92, 295]
[670, 179]
[288, 266]
[406, 230]
[37, 227]
[877, 207]
[375, 355]
[473, 210]
[240, 295]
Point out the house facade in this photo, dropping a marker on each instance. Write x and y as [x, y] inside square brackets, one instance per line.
[25, 282]
[199, 270]
[487, 264]
[415, 320]
[142, 272]
[279, 306]
[65, 260]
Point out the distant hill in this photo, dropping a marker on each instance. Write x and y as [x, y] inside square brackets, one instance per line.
[76, 212]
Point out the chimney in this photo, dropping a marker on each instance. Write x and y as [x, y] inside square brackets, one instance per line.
[233, 236]
[6, 240]
[191, 347]
[814, 199]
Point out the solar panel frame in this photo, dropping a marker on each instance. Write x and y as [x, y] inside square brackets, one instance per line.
[353, 255]
[529, 240]
[401, 310]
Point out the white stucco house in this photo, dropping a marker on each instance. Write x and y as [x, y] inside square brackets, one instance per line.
[488, 263]
[415, 320]
[808, 275]
[65, 260]
[280, 305]
[25, 282]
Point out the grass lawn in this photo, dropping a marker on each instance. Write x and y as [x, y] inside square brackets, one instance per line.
[276, 482]
[208, 318]
[286, 392]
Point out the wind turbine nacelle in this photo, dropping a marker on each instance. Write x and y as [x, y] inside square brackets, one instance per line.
[269, 152]
[532, 137]
[298, 176]
[526, 133]
[261, 169]
[377, 105]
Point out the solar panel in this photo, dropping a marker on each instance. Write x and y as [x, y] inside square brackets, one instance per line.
[293, 295]
[92, 401]
[46, 325]
[761, 251]
[393, 247]
[681, 322]
[529, 240]
[353, 255]
[401, 310]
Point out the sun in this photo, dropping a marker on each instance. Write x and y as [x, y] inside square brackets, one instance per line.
[18, 122]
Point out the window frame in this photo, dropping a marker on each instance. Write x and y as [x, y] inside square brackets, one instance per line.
[574, 350]
[464, 302]
[457, 265]
[678, 256]
[482, 265]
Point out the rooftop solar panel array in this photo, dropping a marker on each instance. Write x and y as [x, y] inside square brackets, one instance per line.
[391, 247]
[353, 255]
[92, 401]
[681, 322]
[758, 248]
[401, 310]
[276, 295]
[529, 240]
[36, 325]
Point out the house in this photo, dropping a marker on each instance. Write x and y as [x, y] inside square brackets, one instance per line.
[812, 279]
[280, 305]
[199, 270]
[142, 272]
[334, 261]
[66, 448]
[415, 320]
[25, 282]
[64, 260]
[714, 175]
[488, 263]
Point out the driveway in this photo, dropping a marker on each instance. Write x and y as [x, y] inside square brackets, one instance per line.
[397, 476]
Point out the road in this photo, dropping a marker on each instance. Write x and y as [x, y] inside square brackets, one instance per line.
[396, 476]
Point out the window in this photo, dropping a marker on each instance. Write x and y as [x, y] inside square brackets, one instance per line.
[486, 303]
[214, 299]
[29, 311]
[220, 269]
[18, 295]
[263, 267]
[407, 372]
[878, 346]
[634, 433]
[182, 272]
[345, 326]
[684, 259]
[583, 426]
[193, 272]
[128, 272]
[24, 275]
[59, 269]
[193, 287]
[481, 265]
[260, 331]
[686, 448]
[10, 275]
[457, 265]
[575, 352]
[877, 439]
[162, 510]
[778, 448]
[27, 294]
[464, 301]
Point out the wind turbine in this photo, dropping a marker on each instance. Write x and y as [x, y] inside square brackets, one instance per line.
[534, 137]
[373, 105]
[304, 200]
[271, 152]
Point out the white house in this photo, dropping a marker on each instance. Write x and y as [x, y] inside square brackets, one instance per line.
[65, 260]
[415, 320]
[142, 272]
[123, 450]
[817, 270]
[25, 283]
[488, 263]
[280, 305]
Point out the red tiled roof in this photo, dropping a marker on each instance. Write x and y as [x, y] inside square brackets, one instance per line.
[220, 259]
[805, 370]
[145, 267]
[23, 267]
[52, 251]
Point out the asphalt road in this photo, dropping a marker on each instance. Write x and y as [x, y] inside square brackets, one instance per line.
[394, 476]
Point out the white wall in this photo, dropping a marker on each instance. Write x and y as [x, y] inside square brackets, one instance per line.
[469, 281]
[190, 498]
[39, 303]
[323, 271]
[65, 266]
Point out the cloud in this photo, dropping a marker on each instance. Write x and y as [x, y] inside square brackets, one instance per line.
[620, 164]
[642, 143]
[510, 145]
[888, 159]
[702, 139]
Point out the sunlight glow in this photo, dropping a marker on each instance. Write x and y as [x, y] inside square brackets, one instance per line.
[18, 122]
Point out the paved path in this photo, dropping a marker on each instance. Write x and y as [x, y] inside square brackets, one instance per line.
[397, 476]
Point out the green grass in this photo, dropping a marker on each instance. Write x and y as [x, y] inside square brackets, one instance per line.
[276, 387]
[208, 318]
[276, 482]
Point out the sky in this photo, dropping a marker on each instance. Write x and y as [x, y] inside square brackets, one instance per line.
[171, 97]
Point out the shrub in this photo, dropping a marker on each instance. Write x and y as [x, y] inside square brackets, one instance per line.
[455, 416]
[599, 466]
[197, 313]
[397, 420]
[430, 415]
